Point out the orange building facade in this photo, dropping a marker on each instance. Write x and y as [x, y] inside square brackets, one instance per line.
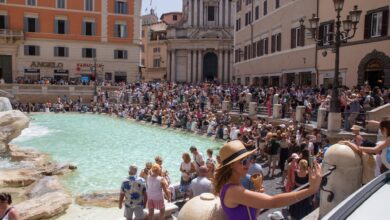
[70, 40]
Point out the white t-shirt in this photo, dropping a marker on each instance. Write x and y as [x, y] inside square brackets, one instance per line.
[200, 185]
[234, 134]
[198, 160]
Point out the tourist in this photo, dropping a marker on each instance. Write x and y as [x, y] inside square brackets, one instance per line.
[304, 207]
[382, 148]
[187, 169]
[292, 167]
[133, 191]
[198, 157]
[283, 156]
[7, 212]
[201, 184]
[239, 203]
[164, 173]
[255, 170]
[146, 171]
[156, 187]
[210, 164]
[273, 158]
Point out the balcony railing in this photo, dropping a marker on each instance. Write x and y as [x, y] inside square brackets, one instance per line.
[7, 33]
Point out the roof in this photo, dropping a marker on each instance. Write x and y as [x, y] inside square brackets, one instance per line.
[168, 13]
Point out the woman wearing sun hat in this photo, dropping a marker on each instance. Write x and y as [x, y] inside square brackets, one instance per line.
[239, 203]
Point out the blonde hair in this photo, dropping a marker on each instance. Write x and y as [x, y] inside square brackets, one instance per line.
[303, 165]
[221, 177]
[156, 168]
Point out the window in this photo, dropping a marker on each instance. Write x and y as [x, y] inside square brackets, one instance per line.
[238, 6]
[88, 52]
[61, 3]
[2, 1]
[88, 5]
[325, 33]
[89, 28]
[237, 55]
[248, 2]
[262, 47]
[277, 4]
[297, 37]
[142, 33]
[257, 12]
[276, 42]
[174, 17]
[142, 48]
[120, 54]
[156, 63]
[265, 8]
[31, 24]
[143, 62]
[31, 50]
[120, 30]
[3, 22]
[32, 2]
[248, 18]
[60, 26]
[156, 50]
[61, 52]
[210, 13]
[120, 7]
[376, 23]
[238, 24]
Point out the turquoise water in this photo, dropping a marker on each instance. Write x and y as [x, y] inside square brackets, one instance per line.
[103, 147]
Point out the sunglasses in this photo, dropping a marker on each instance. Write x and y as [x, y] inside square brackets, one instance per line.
[244, 161]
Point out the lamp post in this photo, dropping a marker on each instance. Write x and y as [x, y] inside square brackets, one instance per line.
[340, 36]
[96, 79]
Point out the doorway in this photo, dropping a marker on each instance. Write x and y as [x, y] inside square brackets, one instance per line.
[374, 74]
[210, 66]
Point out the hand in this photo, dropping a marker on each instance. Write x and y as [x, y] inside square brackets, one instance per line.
[120, 205]
[315, 177]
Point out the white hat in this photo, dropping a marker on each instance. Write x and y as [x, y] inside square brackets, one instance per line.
[276, 216]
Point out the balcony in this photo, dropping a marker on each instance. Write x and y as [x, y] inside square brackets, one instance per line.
[8, 36]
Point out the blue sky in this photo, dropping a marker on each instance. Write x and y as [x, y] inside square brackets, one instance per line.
[161, 6]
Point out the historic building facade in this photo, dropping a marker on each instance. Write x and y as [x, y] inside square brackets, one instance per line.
[153, 48]
[70, 40]
[200, 44]
[366, 57]
[270, 42]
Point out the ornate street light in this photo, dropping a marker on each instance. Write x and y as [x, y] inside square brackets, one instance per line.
[349, 24]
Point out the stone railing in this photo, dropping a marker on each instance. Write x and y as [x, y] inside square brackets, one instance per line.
[377, 114]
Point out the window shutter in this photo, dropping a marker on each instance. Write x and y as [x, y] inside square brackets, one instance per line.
[56, 51]
[258, 48]
[56, 26]
[83, 52]
[266, 45]
[36, 24]
[302, 36]
[66, 51]
[279, 42]
[262, 47]
[273, 40]
[367, 26]
[321, 35]
[116, 32]
[126, 32]
[126, 8]
[331, 29]
[66, 27]
[125, 54]
[83, 32]
[116, 6]
[6, 22]
[93, 28]
[385, 22]
[253, 50]
[293, 36]
[25, 24]
[115, 54]
[93, 53]
[26, 50]
[37, 52]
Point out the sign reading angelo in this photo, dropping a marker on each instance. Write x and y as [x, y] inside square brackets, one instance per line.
[89, 67]
[47, 65]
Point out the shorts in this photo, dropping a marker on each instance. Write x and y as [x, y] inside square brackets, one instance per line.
[156, 204]
[273, 158]
[138, 213]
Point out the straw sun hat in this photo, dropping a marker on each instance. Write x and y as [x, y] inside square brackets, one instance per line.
[233, 151]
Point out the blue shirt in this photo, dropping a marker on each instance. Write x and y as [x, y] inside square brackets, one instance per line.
[134, 188]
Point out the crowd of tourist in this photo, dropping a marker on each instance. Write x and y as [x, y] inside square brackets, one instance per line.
[286, 149]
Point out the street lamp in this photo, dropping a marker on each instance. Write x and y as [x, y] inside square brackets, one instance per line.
[350, 23]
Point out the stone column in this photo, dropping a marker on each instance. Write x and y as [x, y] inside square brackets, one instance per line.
[190, 12]
[200, 66]
[226, 66]
[226, 13]
[201, 14]
[169, 66]
[196, 14]
[252, 108]
[334, 122]
[189, 79]
[300, 113]
[194, 66]
[321, 115]
[277, 111]
[173, 68]
[220, 65]
[220, 13]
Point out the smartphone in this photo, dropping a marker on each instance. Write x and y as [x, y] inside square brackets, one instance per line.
[311, 161]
